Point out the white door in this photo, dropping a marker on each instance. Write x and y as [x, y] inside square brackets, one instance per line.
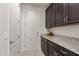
[4, 46]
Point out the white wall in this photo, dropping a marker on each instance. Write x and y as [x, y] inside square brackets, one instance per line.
[10, 29]
[33, 23]
[4, 29]
[68, 30]
[14, 28]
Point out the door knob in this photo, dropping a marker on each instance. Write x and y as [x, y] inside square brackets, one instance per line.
[11, 42]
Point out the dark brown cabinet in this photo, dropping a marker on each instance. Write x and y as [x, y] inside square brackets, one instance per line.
[44, 46]
[63, 51]
[47, 18]
[73, 14]
[52, 51]
[61, 14]
[50, 16]
[50, 48]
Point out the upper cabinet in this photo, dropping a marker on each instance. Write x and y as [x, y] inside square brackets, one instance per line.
[50, 16]
[62, 13]
[73, 12]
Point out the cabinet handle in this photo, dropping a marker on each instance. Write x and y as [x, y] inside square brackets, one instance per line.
[64, 19]
[67, 19]
[63, 52]
[55, 54]
[51, 44]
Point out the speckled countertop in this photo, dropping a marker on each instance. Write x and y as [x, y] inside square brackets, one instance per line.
[67, 42]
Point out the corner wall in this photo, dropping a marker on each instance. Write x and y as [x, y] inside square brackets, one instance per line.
[33, 24]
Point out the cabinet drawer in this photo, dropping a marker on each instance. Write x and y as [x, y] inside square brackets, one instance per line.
[53, 52]
[61, 49]
[66, 52]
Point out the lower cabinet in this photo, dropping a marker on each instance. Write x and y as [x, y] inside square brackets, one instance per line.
[50, 48]
[53, 52]
[44, 46]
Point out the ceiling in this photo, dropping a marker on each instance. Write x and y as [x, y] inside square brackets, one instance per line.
[45, 5]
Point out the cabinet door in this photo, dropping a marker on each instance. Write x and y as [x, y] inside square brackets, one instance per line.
[73, 12]
[44, 46]
[50, 16]
[53, 52]
[47, 18]
[60, 13]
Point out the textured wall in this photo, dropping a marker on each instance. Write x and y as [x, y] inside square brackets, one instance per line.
[33, 23]
[14, 29]
[4, 29]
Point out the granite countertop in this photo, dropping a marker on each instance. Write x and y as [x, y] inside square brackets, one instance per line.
[69, 43]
